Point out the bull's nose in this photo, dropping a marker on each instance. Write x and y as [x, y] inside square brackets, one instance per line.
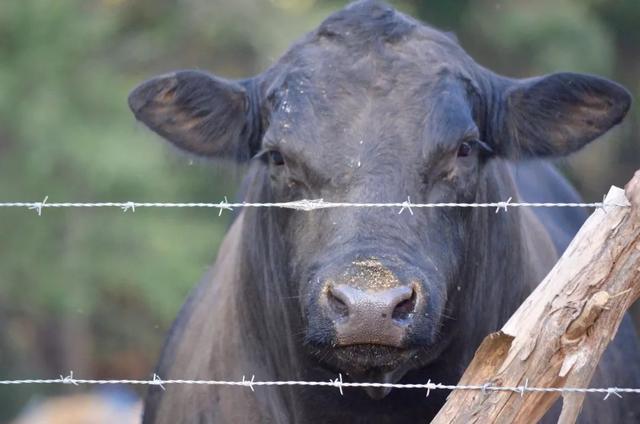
[371, 316]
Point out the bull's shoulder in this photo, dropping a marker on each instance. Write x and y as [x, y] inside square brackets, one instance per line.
[540, 181]
[197, 340]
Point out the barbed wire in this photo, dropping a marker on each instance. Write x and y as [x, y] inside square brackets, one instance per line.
[304, 205]
[309, 205]
[338, 383]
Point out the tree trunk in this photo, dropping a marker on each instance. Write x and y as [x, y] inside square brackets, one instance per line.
[557, 336]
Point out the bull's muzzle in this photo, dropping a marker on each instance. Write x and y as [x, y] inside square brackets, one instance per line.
[369, 304]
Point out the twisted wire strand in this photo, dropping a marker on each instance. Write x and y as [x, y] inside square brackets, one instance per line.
[309, 205]
[337, 383]
[304, 204]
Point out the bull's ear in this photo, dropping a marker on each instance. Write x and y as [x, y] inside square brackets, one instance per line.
[556, 115]
[199, 113]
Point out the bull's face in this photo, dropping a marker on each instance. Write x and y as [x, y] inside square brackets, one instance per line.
[373, 107]
[356, 124]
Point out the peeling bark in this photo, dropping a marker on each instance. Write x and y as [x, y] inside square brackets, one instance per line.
[557, 336]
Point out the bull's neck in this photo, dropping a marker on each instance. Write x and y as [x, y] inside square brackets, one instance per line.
[495, 281]
[499, 272]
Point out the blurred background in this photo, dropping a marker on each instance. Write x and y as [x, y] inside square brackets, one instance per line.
[94, 291]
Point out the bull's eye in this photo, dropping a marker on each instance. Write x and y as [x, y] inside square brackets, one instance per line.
[465, 149]
[276, 157]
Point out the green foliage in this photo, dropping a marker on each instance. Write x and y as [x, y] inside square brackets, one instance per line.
[540, 42]
[66, 132]
[96, 290]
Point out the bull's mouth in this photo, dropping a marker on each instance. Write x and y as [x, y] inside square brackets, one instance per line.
[369, 363]
[363, 358]
[374, 363]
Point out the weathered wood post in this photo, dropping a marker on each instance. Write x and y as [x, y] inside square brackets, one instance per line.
[557, 336]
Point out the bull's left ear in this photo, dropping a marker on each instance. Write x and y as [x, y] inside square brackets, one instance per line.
[199, 113]
[556, 115]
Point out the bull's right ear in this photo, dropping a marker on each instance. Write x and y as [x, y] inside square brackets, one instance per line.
[557, 114]
[199, 113]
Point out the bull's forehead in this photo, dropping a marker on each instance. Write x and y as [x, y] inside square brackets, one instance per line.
[364, 51]
[363, 86]
[367, 39]
[336, 97]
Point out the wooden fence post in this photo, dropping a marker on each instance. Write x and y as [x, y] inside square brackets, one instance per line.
[557, 336]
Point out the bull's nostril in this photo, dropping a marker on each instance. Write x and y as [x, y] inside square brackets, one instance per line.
[404, 309]
[337, 305]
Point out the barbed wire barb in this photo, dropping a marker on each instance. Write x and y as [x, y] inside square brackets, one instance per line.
[129, 206]
[39, 205]
[612, 391]
[69, 378]
[338, 383]
[485, 387]
[406, 205]
[524, 387]
[504, 205]
[249, 383]
[157, 381]
[224, 205]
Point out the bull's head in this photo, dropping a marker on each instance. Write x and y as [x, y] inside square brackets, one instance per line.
[374, 107]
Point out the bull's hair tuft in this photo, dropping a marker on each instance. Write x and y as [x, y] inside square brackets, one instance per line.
[366, 20]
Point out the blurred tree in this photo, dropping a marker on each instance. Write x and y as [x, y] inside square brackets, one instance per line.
[95, 291]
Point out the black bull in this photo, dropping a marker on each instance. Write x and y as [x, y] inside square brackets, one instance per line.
[373, 107]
